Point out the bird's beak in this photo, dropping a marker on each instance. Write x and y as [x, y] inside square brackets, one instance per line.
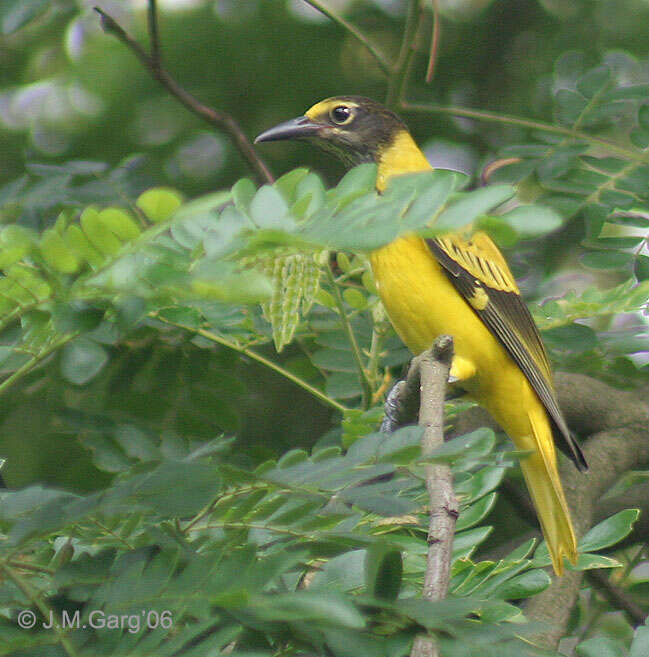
[299, 128]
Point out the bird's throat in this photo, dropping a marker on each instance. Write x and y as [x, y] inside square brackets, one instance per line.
[401, 155]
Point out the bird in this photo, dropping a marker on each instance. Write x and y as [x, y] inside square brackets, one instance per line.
[458, 284]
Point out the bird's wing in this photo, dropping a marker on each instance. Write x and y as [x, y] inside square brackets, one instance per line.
[480, 274]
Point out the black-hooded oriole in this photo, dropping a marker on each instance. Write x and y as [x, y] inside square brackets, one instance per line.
[458, 284]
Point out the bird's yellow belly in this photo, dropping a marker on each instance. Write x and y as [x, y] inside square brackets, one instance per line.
[423, 304]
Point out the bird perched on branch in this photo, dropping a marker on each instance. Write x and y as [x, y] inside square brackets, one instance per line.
[460, 285]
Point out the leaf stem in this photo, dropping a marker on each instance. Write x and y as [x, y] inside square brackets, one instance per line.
[34, 596]
[356, 352]
[381, 59]
[152, 64]
[434, 43]
[493, 117]
[401, 68]
[213, 337]
[32, 362]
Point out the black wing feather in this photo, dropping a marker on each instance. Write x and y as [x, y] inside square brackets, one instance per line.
[504, 311]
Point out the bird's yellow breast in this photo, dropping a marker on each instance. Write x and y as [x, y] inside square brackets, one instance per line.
[421, 301]
[423, 304]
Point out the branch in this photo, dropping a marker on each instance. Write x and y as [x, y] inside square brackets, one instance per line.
[154, 34]
[428, 372]
[353, 343]
[434, 369]
[434, 43]
[381, 59]
[494, 117]
[246, 351]
[152, 63]
[614, 426]
[399, 72]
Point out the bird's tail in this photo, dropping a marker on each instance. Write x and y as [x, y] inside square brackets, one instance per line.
[542, 478]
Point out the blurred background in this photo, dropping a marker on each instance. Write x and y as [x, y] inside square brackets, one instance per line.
[70, 92]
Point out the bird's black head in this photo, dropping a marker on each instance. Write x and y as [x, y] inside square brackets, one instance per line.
[355, 128]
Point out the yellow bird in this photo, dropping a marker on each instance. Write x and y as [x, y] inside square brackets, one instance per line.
[460, 285]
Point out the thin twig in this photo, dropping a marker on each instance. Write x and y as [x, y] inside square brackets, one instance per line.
[246, 351]
[219, 119]
[494, 117]
[32, 567]
[154, 33]
[434, 43]
[356, 352]
[381, 59]
[493, 166]
[32, 594]
[433, 368]
[397, 76]
[28, 366]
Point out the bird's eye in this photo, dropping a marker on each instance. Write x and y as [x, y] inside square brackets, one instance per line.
[341, 114]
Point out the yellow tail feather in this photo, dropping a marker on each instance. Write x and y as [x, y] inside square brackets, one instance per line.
[542, 478]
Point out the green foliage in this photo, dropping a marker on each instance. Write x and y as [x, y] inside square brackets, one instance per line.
[227, 559]
[193, 478]
[222, 549]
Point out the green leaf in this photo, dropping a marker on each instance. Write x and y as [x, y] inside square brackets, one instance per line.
[221, 281]
[287, 183]
[76, 317]
[354, 298]
[606, 260]
[590, 561]
[400, 447]
[57, 254]
[481, 483]
[316, 607]
[99, 236]
[243, 191]
[159, 203]
[359, 180]
[532, 220]
[639, 138]
[640, 642]
[609, 531]
[594, 81]
[570, 105]
[523, 586]
[473, 514]
[268, 209]
[334, 360]
[626, 481]
[120, 222]
[431, 196]
[573, 337]
[465, 543]
[522, 551]
[136, 443]
[373, 498]
[641, 268]
[474, 445]
[472, 205]
[310, 194]
[343, 385]
[80, 245]
[602, 646]
[643, 117]
[383, 572]
[82, 360]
